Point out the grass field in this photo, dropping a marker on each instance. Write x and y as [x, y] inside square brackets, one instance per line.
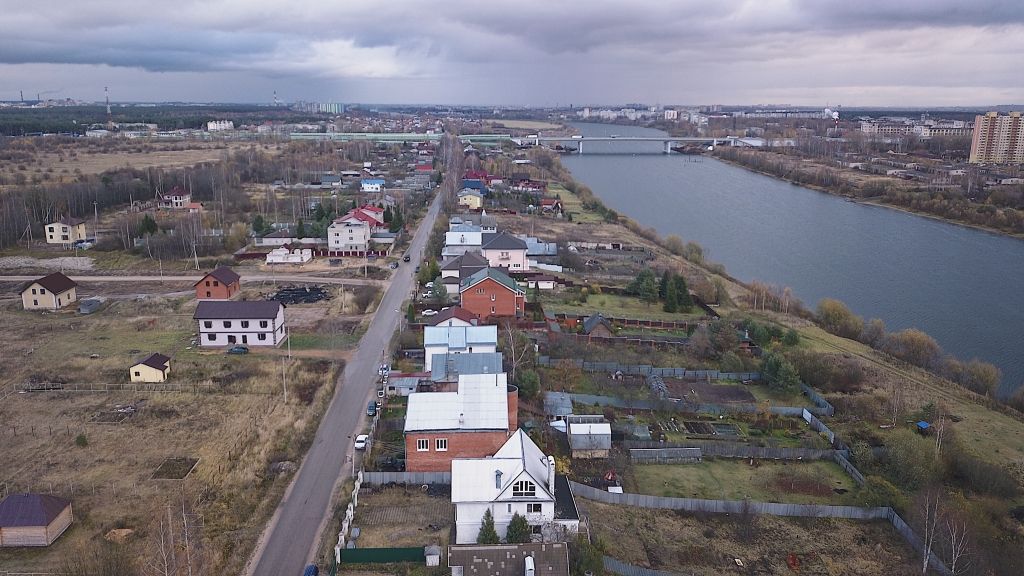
[811, 482]
[708, 545]
[572, 204]
[617, 306]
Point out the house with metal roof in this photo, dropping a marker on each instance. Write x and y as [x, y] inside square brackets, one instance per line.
[589, 436]
[150, 368]
[518, 479]
[222, 283]
[471, 199]
[448, 367]
[51, 292]
[454, 316]
[471, 422]
[492, 293]
[33, 519]
[250, 322]
[459, 267]
[457, 340]
[67, 230]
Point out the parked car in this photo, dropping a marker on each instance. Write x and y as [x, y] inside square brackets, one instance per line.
[417, 270]
[405, 258]
[240, 349]
[428, 285]
[393, 265]
[371, 408]
[425, 295]
[311, 570]
[429, 312]
[360, 443]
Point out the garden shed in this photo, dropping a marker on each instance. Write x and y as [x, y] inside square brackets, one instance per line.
[33, 519]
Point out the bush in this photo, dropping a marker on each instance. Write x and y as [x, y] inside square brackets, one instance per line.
[878, 491]
[835, 317]
[913, 346]
[779, 373]
[518, 530]
[487, 535]
[81, 441]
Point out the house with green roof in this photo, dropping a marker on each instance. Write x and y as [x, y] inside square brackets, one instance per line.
[491, 293]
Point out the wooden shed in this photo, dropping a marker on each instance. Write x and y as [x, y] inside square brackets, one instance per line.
[33, 519]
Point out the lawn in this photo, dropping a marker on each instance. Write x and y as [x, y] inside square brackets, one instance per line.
[572, 204]
[613, 305]
[806, 482]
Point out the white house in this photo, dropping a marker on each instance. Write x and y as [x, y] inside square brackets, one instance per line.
[285, 256]
[505, 251]
[466, 235]
[457, 340]
[218, 125]
[177, 199]
[371, 185]
[252, 322]
[67, 230]
[518, 479]
[348, 235]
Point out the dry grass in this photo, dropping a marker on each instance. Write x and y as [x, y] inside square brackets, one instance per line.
[402, 517]
[236, 428]
[709, 544]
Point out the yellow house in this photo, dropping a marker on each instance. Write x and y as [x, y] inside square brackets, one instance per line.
[471, 199]
[67, 230]
[152, 368]
[51, 292]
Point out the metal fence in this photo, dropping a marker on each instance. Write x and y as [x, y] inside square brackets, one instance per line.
[614, 566]
[687, 407]
[407, 478]
[382, 555]
[734, 450]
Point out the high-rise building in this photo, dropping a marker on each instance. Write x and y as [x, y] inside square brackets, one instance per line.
[998, 139]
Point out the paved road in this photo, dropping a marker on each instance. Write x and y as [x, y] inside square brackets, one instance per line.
[194, 279]
[291, 538]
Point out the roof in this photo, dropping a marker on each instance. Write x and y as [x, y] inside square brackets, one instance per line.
[30, 510]
[469, 259]
[494, 274]
[459, 336]
[371, 207]
[550, 559]
[502, 241]
[56, 283]
[481, 403]
[565, 503]
[456, 312]
[71, 221]
[403, 382]
[154, 360]
[470, 192]
[243, 310]
[595, 320]
[464, 228]
[557, 404]
[372, 181]
[590, 436]
[477, 479]
[224, 274]
[448, 367]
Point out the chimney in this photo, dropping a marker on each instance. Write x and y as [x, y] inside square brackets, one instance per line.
[497, 479]
[462, 419]
[551, 475]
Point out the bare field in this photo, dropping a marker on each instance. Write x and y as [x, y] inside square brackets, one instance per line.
[402, 517]
[710, 544]
[101, 449]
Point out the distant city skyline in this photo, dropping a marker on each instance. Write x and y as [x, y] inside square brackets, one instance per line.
[911, 53]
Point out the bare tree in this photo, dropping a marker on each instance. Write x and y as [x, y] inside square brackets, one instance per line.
[958, 548]
[518, 347]
[940, 428]
[163, 560]
[897, 401]
[930, 511]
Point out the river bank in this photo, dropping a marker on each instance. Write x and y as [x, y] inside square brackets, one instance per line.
[871, 200]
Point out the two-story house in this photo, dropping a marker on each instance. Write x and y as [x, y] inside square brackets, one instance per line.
[67, 230]
[177, 199]
[460, 267]
[51, 292]
[472, 422]
[348, 235]
[506, 251]
[254, 323]
[471, 199]
[220, 284]
[518, 479]
[457, 340]
[490, 292]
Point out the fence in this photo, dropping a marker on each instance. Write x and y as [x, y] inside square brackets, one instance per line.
[664, 455]
[819, 426]
[768, 508]
[649, 370]
[623, 569]
[194, 387]
[686, 407]
[382, 555]
[735, 450]
[634, 339]
[824, 405]
[407, 478]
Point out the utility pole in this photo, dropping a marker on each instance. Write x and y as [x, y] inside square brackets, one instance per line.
[284, 381]
[96, 220]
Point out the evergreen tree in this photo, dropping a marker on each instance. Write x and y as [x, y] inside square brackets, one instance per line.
[388, 216]
[410, 313]
[319, 213]
[487, 535]
[258, 224]
[683, 300]
[518, 530]
[778, 372]
[300, 230]
[666, 278]
[354, 205]
[671, 297]
[647, 287]
[397, 221]
[792, 338]
[148, 226]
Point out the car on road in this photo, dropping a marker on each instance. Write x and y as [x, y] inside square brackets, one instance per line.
[429, 312]
[405, 258]
[360, 443]
[240, 349]
[371, 408]
[425, 295]
[417, 270]
[393, 265]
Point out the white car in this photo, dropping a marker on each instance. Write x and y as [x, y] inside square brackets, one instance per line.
[428, 285]
[429, 312]
[425, 295]
[361, 442]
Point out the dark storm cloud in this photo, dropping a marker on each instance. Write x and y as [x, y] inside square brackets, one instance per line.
[460, 50]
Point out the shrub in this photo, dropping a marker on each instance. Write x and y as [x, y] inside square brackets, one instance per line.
[835, 317]
[81, 441]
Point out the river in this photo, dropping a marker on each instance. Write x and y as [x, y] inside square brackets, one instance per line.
[958, 284]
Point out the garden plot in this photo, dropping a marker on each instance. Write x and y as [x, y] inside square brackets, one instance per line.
[403, 516]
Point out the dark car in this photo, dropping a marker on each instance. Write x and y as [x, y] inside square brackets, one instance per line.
[405, 258]
[371, 408]
[238, 349]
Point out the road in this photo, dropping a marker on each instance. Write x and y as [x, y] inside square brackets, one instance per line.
[291, 538]
[193, 279]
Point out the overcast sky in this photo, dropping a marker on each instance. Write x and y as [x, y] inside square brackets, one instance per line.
[518, 52]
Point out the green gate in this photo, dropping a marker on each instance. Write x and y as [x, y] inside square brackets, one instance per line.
[382, 555]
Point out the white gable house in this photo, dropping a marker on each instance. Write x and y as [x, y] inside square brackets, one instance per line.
[457, 340]
[253, 322]
[518, 479]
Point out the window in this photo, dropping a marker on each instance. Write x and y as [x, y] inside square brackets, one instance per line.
[215, 283]
[524, 488]
[137, 373]
[33, 290]
[208, 324]
[245, 323]
[211, 337]
[207, 282]
[42, 290]
[536, 530]
[493, 297]
[263, 323]
[532, 508]
[35, 302]
[227, 323]
[422, 445]
[479, 290]
[261, 336]
[441, 444]
[492, 309]
[207, 293]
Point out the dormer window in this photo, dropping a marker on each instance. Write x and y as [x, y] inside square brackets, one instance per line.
[524, 488]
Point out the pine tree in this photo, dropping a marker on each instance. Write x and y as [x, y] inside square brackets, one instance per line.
[300, 230]
[388, 216]
[487, 535]
[410, 313]
[518, 530]
[671, 297]
[666, 278]
[148, 226]
[258, 224]
[683, 300]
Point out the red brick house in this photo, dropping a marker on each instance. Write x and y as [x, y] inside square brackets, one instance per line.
[221, 284]
[492, 293]
[471, 423]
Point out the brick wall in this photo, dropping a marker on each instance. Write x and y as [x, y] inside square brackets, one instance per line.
[219, 292]
[460, 445]
[504, 303]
